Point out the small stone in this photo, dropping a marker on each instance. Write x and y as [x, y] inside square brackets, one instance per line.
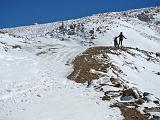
[140, 101]
[117, 85]
[101, 89]
[156, 117]
[16, 46]
[104, 98]
[145, 94]
[126, 98]
[156, 101]
[114, 80]
[158, 73]
[38, 95]
[157, 54]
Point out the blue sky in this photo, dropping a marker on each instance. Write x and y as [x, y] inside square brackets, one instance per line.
[26, 12]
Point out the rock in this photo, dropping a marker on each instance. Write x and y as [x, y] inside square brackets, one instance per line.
[140, 101]
[117, 85]
[72, 26]
[40, 53]
[91, 31]
[104, 98]
[156, 117]
[114, 81]
[157, 54]
[145, 94]
[93, 37]
[125, 86]
[38, 95]
[16, 46]
[117, 105]
[71, 32]
[126, 98]
[158, 73]
[156, 101]
[129, 92]
[148, 59]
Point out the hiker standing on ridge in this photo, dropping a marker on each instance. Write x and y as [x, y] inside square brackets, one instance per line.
[121, 36]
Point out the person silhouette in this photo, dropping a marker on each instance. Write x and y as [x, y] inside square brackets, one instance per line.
[121, 36]
[115, 42]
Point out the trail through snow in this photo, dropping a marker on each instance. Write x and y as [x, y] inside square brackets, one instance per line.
[35, 87]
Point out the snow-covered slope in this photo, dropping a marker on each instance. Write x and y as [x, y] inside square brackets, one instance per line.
[36, 60]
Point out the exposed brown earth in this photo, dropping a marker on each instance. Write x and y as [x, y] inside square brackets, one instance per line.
[88, 60]
[130, 113]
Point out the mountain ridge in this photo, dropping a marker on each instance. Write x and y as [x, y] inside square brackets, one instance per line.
[36, 60]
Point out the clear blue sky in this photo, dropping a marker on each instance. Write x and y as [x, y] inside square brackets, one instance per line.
[26, 12]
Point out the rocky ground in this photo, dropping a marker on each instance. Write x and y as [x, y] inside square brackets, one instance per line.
[93, 67]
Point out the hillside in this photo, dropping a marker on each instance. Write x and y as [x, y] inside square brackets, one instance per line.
[70, 69]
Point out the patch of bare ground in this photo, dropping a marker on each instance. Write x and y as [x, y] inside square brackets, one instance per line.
[130, 113]
[87, 61]
[97, 59]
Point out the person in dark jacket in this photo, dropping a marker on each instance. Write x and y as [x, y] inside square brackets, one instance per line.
[121, 36]
[115, 42]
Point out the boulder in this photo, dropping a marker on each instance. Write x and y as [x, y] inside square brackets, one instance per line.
[156, 102]
[157, 54]
[145, 94]
[129, 92]
[126, 98]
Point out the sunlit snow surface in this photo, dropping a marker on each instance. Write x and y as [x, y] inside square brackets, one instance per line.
[33, 85]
